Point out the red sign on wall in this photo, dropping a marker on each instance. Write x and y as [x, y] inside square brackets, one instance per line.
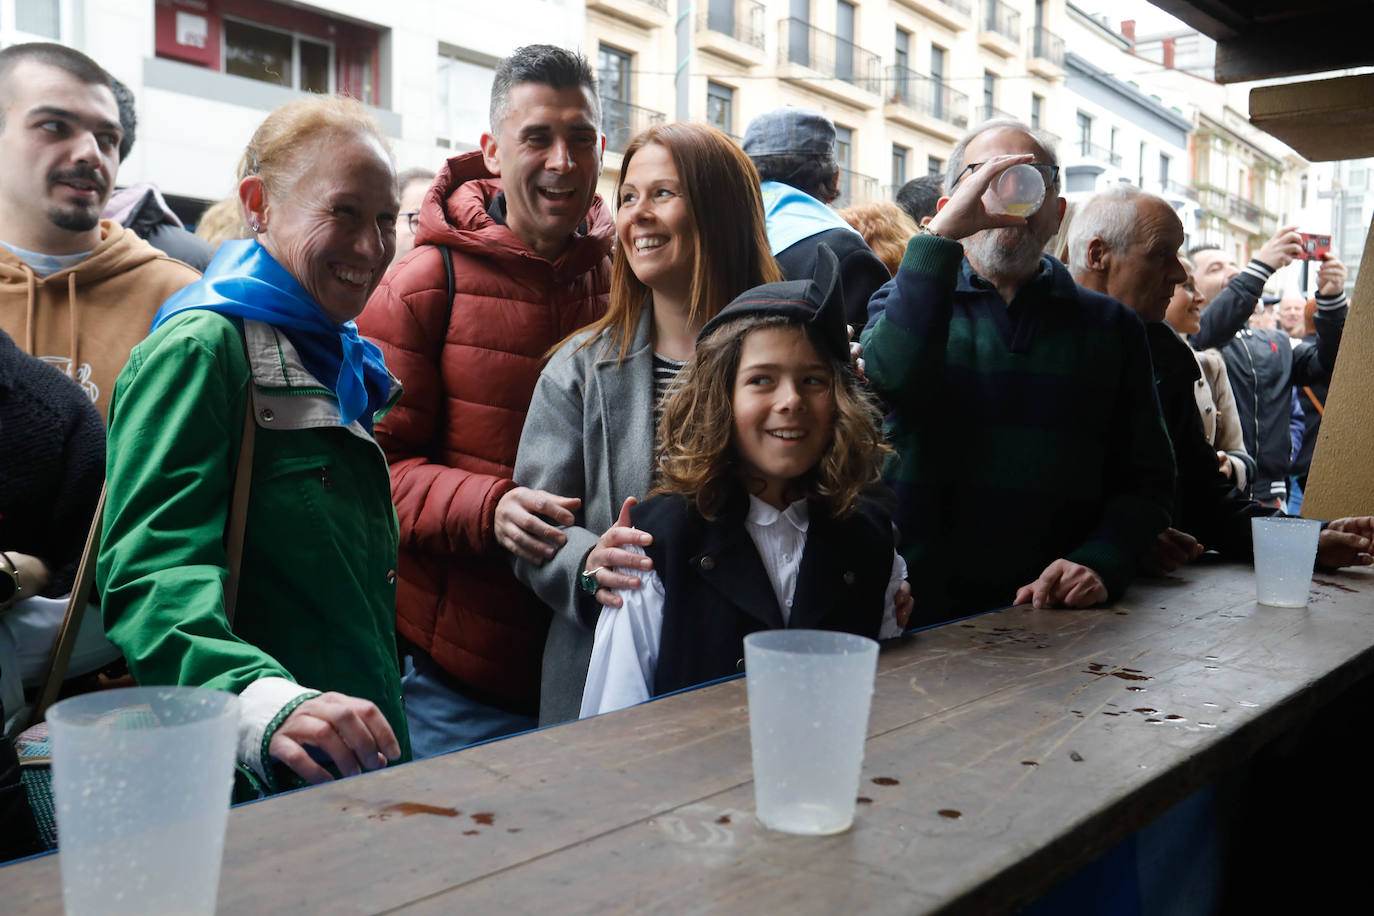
[188, 30]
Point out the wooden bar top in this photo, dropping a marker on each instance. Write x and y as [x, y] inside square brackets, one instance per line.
[1004, 752]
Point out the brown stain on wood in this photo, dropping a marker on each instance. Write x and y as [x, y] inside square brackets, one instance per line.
[1328, 582]
[723, 819]
[950, 813]
[886, 781]
[863, 800]
[406, 809]
[484, 818]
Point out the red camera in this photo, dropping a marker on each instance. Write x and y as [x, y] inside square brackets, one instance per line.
[1315, 247]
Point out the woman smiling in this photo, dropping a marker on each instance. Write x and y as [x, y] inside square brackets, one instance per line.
[264, 349]
[690, 235]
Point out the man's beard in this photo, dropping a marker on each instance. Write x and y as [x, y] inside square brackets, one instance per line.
[74, 218]
[1011, 252]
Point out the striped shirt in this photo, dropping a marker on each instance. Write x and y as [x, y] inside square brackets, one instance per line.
[666, 373]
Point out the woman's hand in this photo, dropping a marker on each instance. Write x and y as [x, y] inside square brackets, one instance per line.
[352, 732]
[609, 555]
[520, 528]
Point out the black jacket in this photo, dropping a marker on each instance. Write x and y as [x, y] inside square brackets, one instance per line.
[52, 464]
[861, 273]
[717, 591]
[1206, 505]
[1263, 368]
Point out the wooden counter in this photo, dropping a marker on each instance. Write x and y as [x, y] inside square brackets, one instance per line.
[1004, 752]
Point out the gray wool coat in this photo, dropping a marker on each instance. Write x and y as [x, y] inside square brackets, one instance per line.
[589, 433]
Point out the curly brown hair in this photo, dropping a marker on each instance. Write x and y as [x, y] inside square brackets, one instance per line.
[697, 456]
[886, 228]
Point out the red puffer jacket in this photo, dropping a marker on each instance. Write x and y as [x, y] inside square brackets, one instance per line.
[468, 373]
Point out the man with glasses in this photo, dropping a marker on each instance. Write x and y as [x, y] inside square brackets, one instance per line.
[413, 183]
[1033, 465]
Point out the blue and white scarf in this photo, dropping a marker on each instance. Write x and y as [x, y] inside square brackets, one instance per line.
[245, 281]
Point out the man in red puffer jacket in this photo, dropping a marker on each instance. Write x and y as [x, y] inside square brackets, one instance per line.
[530, 243]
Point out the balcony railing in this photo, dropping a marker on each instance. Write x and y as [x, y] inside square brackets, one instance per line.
[991, 113]
[742, 20]
[1002, 19]
[1100, 153]
[1244, 209]
[855, 188]
[621, 121]
[827, 54]
[1046, 45]
[963, 6]
[1183, 190]
[927, 95]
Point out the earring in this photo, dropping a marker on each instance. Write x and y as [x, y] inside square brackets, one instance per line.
[254, 225]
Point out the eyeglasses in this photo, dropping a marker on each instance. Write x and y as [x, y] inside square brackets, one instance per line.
[412, 219]
[1049, 172]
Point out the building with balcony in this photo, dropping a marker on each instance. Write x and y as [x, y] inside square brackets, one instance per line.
[206, 72]
[901, 79]
[1245, 182]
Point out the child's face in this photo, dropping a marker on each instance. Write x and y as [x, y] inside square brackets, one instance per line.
[784, 407]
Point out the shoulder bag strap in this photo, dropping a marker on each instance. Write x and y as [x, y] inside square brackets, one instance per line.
[61, 655]
[1312, 396]
[238, 507]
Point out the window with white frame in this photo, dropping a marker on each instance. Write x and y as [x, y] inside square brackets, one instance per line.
[274, 56]
[462, 91]
[33, 20]
[720, 107]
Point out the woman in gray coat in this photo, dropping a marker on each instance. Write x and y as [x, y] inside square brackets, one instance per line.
[690, 235]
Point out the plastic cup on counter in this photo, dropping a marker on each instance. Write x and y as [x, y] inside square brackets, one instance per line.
[142, 779]
[1285, 550]
[809, 696]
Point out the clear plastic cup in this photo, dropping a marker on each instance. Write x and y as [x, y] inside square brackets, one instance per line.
[809, 695]
[1285, 549]
[142, 779]
[1020, 191]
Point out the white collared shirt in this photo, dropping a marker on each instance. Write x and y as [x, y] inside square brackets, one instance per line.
[625, 650]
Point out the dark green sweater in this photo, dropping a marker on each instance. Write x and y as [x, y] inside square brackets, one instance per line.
[1024, 432]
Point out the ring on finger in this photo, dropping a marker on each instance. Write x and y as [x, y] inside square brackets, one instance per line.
[586, 580]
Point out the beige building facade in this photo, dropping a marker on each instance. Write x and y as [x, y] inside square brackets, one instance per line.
[901, 79]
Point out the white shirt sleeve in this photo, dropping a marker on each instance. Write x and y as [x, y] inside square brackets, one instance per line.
[625, 648]
[890, 629]
[259, 705]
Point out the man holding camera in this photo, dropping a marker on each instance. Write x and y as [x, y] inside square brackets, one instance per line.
[1263, 367]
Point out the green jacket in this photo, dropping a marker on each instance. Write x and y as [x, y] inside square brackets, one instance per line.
[316, 602]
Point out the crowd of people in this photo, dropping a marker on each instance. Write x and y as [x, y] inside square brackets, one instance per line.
[562, 455]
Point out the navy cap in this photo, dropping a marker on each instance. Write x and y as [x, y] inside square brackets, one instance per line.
[790, 132]
[817, 303]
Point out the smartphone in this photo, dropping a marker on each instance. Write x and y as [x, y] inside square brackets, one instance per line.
[1315, 247]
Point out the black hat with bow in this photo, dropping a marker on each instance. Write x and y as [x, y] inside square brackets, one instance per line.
[817, 304]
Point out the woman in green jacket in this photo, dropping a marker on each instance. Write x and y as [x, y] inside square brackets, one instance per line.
[311, 649]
